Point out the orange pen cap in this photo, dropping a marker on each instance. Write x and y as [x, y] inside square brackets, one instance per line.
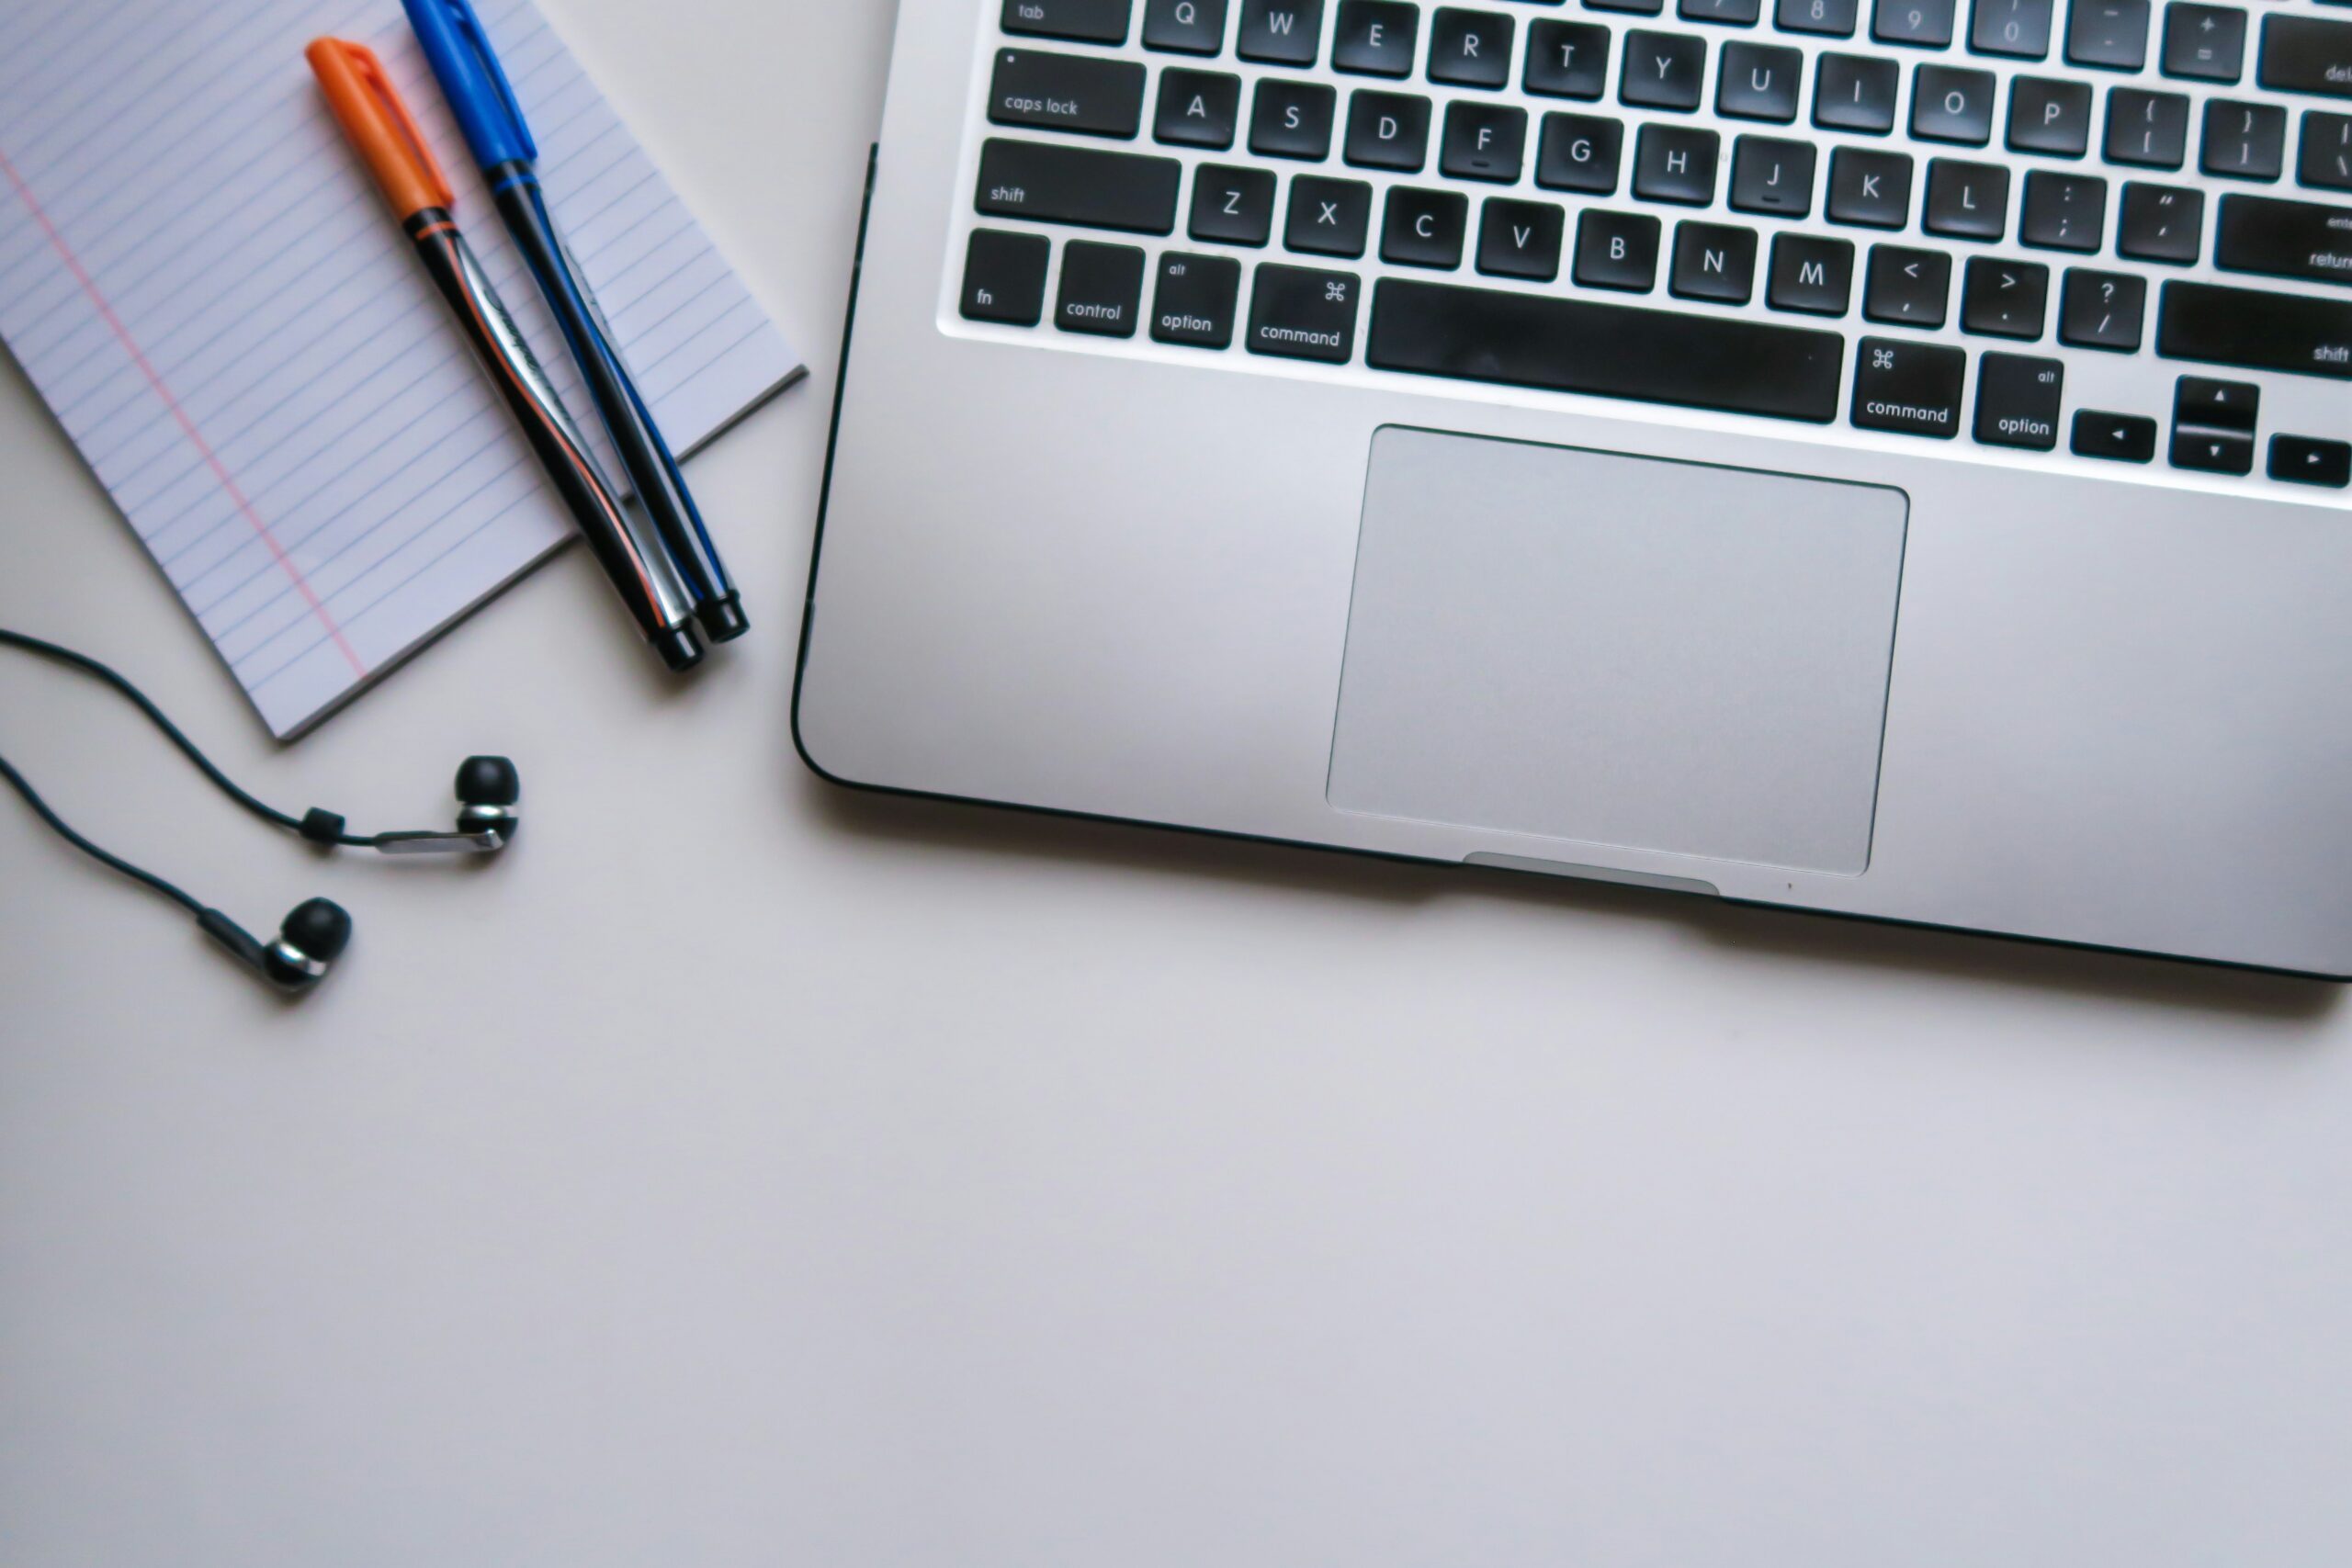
[379, 126]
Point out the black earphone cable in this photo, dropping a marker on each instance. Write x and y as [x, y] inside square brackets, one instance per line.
[18, 782]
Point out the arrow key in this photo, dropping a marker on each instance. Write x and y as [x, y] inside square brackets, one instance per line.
[2300, 460]
[2211, 451]
[2115, 437]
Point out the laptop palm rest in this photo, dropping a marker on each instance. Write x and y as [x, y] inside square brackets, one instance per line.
[1619, 651]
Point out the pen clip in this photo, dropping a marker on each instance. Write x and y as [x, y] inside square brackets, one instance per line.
[461, 16]
[372, 75]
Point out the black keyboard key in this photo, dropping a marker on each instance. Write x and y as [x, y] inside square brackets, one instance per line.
[1388, 130]
[1567, 60]
[1050, 183]
[2102, 309]
[1676, 164]
[1004, 277]
[2016, 28]
[1185, 27]
[2204, 43]
[1297, 312]
[2285, 238]
[1471, 48]
[1198, 108]
[1906, 287]
[1642, 7]
[2162, 224]
[1825, 19]
[1729, 12]
[2256, 331]
[1910, 388]
[1195, 301]
[1870, 190]
[1424, 228]
[1066, 92]
[1081, 21]
[1948, 103]
[1662, 71]
[2108, 34]
[2327, 161]
[1812, 277]
[2305, 460]
[1232, 206]
[1760, 82]
[2005, 299]
[2244, 142]
[1580, 152]
[1771, 175]
[1520, 239]
[2148, 130]
[1855, 92]
[1714, 262]
[1483, 142]
[2050, 117]
[2203, 402]
[1101, 290]
[1921, 24]
[1281, 32]
[1376, 38]
[1617, 250]
[2064, 212]
[2114, 437]
[1291, 120]
[1611, 351]
[1967, 201]
[1328, 217]
[2018, 400]
[2212, 452]
[2307, 54]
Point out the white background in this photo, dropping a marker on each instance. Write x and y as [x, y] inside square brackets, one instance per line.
[741, 1172]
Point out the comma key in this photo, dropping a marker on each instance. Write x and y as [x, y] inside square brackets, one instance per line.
[1301, 313]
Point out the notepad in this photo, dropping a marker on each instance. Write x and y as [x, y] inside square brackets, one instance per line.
[202, 282]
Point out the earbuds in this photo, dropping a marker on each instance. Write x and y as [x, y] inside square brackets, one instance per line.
[489, 798]
[310, 941]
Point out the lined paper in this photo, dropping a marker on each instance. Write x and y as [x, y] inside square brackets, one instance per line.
[203, 283]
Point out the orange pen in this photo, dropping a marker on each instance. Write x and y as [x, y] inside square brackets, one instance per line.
[387, 139]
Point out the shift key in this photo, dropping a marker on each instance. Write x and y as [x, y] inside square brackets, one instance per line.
[1301, 312]
[1051, 184]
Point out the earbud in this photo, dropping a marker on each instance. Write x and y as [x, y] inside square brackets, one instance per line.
[489, 796]
[307, 945]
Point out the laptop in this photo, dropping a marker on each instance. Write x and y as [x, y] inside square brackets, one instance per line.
[1887, 459]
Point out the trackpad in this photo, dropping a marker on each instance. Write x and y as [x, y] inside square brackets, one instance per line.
[1619, 650]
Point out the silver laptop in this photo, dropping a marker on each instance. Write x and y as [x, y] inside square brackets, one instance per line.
[1886, 459]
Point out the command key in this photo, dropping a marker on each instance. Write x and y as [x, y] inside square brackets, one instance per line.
[1303, 313]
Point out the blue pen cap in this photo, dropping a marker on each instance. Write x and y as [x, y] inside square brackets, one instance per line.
[471, 79]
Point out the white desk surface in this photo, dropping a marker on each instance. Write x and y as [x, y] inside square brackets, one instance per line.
[743, 1173]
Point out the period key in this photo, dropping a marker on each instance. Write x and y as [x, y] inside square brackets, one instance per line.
[1300, 312]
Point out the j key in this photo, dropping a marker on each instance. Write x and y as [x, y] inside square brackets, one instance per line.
[1194, 304]
[2305, 54]
[2326, 162]
[1291, 120]
[1772, 176]
[2064, 212]
[2002, 299]
[1828, 18]
[1907, 288]
[2285, 238]
[1617, 250]
[2018, 400]
[1424, 228]
[2148, 131]
[1053, 184]
[1066, 92]
[2102, 309]
[1714, 261]
[1328, 217]
[1814, 276]
[2204, 43]
[2115, 437]
[1281, 32]
[1911, 388]
[2050, 117]
[1760, 82]
[2244, 142]
[1967, 201]
[1676, 164]
[1198, 108]
[1567, 60]
[1612, 351]
[1232, 206]
[1376, 38]
[1004, 277]
[2302, 460]
[2111, 34]
[1948, 104]
[1101, 290]
[1520, 239]
[1853, 92]
[1185, 27]
[1388, 130]
[1299, 313]
[1662, 71]
[2162, 224]
[1471, 48]
[1083, 21]
[1483, 142]
[1870, 190]
[1923, 24]
[2256, 331]
[1580, 152]
[2018, 28]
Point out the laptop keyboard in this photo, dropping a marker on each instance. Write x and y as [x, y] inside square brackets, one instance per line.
[2112, 234]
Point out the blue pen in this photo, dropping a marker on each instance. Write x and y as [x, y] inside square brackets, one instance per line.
[471, 79]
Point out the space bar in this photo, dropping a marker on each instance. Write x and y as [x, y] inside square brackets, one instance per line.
[1609, 351]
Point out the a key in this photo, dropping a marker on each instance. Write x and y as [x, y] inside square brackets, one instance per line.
[1617, 250]
[1760, 82]
[2004, 299]
[2204, 43]
[1567, 60]
[1102, 289]
[2162, 224]
[2148, 130]
[1952, 104]
[2114, 437]
[2018, 400]
[1713, 261]
[1194, 302]
[1232, 206]
[2256, 331]
[1520, 239]
[1553, 344]
[1066, 92]
[1376, 38]
[1291, 120]
[2102, 309]
[1388, 130]
[1812, 277]
[1921, 24]
[1870, 190]
[1004, 277]
[1825, 19]
[1053, 183]
[2327, 160]
[2306, 55]
[2050, 117]
[2064, 212]
[1328, 217]
[1676, 164]
[1281, 32]
[2285, 238]
[1081, 21]
[1299, 312]
[1967, 201]
[1471, 48]
[1662, 71]
[2305, 460]
[1185, 27]
[1907, 288]
[2244, 142]
[1771, 175]
[2108, 34]
[1483, 142]
[1580, 152]
[2018, 28]
[1910, 388]
[1197, 108]
[1854, 92]
[1424, 228]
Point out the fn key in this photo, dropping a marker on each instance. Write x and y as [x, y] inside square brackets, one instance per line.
[1004, 277]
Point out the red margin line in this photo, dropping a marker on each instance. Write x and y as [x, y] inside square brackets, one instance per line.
[187, 426]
